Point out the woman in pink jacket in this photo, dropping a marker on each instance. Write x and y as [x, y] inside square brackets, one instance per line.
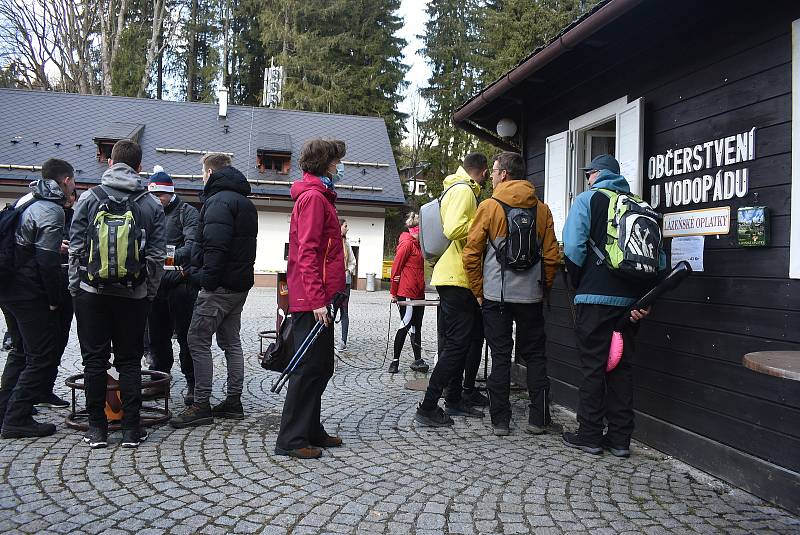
[408, 283]
[315, 273]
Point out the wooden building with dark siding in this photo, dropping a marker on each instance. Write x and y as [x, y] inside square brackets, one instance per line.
[640, 79]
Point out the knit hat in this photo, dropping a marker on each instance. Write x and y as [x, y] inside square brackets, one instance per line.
[160, 181]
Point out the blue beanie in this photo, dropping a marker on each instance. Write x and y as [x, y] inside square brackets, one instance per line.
[160, 181]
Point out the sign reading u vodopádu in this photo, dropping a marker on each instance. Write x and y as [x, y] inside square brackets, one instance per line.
[713, 172]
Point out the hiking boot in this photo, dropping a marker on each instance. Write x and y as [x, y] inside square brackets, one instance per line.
[473, 398]
[419, 365]
[96, 437]
[394, 366]
[501, 429]
[28, 430]
[617, 450]
[131, 438]
[574, 440]
[230, 409]
[52, 401]
[330, 441]
[309, 452]
[433, 418]
[463, 410]
[194, 415]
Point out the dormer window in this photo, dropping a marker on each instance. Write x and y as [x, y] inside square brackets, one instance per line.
[273, 161]
[113, 132]
[274, 153]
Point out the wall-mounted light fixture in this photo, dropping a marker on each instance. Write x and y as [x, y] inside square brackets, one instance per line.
[506, 128]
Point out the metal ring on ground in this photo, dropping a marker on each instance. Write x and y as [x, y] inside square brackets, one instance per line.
[150, 415]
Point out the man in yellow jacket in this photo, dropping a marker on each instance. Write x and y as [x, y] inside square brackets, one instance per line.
[459, 321]
[515, 293]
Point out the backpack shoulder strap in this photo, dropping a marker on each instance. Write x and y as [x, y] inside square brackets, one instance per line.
[454, 185]
[100, 192]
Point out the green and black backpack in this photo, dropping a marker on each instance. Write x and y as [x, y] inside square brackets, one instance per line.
[633, 237]
[116, 241]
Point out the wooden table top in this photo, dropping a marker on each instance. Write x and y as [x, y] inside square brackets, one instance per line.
[783, 364]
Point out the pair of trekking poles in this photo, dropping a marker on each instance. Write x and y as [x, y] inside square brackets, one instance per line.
[308, 343]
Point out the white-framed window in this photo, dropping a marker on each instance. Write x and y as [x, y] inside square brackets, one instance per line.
[794, 240]
[615, 128]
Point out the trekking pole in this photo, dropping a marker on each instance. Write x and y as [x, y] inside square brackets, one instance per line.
[308, 342]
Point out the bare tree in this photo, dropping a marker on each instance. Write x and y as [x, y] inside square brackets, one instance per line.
[26, 36]
[74, 21]
[112, 23]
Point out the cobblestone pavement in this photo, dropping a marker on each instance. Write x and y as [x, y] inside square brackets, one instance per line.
[392, 476]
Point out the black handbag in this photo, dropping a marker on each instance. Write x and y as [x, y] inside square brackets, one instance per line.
[279, 352]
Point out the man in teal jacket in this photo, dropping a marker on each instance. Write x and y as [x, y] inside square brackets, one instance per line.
[601, 297]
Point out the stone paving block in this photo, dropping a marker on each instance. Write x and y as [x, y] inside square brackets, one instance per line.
[391, 477]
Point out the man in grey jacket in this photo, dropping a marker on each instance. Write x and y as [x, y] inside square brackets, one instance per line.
[113, 312]
[31, 300]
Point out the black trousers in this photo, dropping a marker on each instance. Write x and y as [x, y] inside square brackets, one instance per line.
[103, 320]
[411, 322]
[603, 395]
[35, 331]
[460, 332]
[530, 343]
[65, 313]
[300, 423]
[172, 313]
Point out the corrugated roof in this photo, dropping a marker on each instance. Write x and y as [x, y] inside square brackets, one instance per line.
[38, 125]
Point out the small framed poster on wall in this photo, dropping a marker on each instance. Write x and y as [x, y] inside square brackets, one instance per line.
[753, 226]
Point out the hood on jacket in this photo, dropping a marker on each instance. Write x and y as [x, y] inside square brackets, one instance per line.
[123, 177]
[311, 182]
[612, 181]
[461, 176]
[48, 190]
[226, 178]
[516, 193]
[406, 237]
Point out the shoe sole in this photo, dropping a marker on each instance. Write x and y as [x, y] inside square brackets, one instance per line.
[22, 434]
[458, 412]
[95, 445]
[229, 416]
[134, 444]
[501, 432]
[193, 423]
[621, 453]
[594, 450]
[424, 420]
[51, 406]
[287, 453]
[535, 430]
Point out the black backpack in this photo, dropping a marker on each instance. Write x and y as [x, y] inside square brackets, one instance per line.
[9, 222]
[278, 353]
[521, 249]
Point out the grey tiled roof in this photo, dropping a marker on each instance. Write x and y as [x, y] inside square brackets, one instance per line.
[38, 125]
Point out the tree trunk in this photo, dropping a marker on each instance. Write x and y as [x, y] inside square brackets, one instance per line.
[191, 56]
[154, 46]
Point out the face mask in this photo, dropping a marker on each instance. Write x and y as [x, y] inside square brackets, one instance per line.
[339, 172]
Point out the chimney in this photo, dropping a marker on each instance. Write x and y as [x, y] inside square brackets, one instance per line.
[223, 101]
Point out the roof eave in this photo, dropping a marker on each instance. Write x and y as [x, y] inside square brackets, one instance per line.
[561, 44]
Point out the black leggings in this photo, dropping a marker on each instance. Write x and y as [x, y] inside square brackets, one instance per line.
[411, 321]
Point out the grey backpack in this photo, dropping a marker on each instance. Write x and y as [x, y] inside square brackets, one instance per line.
[432, 240]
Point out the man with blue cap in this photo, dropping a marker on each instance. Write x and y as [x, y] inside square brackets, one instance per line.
[174, 302]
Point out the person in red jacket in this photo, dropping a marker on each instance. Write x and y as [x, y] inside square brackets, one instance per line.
[408, 283]
[315, 274]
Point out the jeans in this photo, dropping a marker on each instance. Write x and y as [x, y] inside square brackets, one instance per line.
[172, 313]
[65, 313]
[603, 395]
[217, 312]
[34, 329]
[300, 422]
[460, 339]
[530, 342]
[104, 320]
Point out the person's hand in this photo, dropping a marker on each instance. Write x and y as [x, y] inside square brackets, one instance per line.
[321, 315]
[53, 308]
[480, 301]
[64, 249]
[394, 299]
[640, 314]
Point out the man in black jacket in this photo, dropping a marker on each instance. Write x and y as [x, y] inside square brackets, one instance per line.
[174, 302]
[32, 299]
[222, 265]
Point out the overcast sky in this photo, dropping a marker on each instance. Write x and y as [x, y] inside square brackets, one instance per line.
[413, 13]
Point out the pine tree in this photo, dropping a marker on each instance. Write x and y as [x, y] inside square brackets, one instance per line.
[248, 55]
